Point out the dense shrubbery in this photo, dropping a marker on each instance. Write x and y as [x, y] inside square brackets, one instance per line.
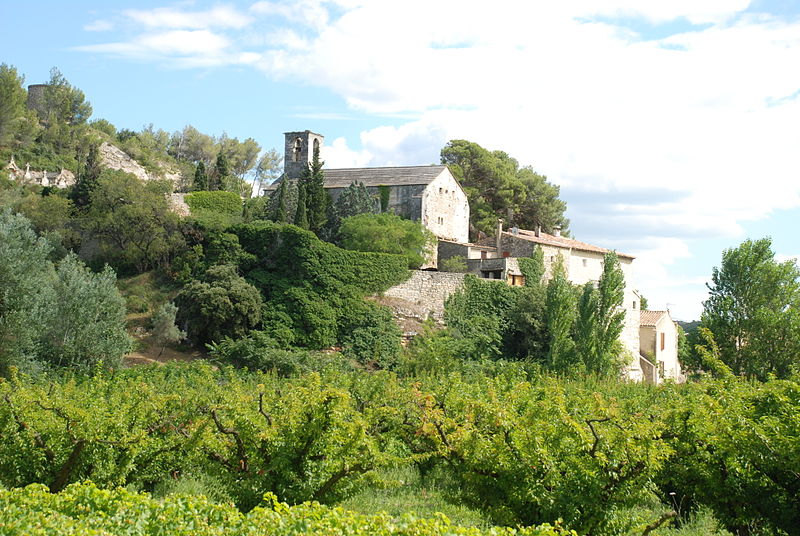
[316, 290]
[86, 509]
[215, 208]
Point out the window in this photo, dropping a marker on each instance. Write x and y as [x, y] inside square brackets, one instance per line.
[663, 341]
[316, 145]
[585, 263]
[483, 254]
[506, 254]
[440, 190]
[298, 145]
[634, 304]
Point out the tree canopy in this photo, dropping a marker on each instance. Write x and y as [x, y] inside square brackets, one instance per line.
[497, 186]
[753, 310]
[387, 233]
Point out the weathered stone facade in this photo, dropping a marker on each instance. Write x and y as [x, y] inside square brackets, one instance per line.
[299, 151]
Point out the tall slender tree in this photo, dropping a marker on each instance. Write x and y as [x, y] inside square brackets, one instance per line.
[316, 198]
[200, 176]
[301, 216]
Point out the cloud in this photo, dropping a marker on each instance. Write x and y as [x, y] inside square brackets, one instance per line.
[221, 16]
[99, 25]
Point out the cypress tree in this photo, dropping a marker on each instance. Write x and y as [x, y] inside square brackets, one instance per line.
[282, 216]
[221, 172]
[200, 176]
[301, 216]
[88, 179]
[316, 198]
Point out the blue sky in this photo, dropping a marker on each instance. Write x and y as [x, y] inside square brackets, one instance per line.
[671, 127]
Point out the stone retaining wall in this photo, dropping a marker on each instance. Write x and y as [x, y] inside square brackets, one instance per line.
[423, 294]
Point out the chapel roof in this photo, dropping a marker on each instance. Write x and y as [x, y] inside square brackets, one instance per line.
[377, 176]
[651, 318]
[559, 241]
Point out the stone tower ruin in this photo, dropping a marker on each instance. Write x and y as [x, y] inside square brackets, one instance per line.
[298, 151]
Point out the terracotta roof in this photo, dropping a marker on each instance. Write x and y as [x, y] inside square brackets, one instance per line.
[651, 318]
[557, 241]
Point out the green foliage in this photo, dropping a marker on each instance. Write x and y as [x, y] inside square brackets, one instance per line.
[532, 268]
[496, 185]
[18, 125]
[385, 192]
[312, 287]
[87, 318]
[354, 200]
[88, 179]
[369, 334]
[753, 310]
[600, 320]
[164, 329]
[200, 177]
[456, 264]
[221, 304]
[133, 223]
[737, 451]
[387, 233]
[259, 351]
[26, 283]
[527, 453]
[224, 205]
[301, 213]
[316, 198]
[477, 315]
[560, 314]
[86, 509]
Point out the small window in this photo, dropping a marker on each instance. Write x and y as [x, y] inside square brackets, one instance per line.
[298, 145]
[663, 341]
[483, 254]
[585, 263]
[634, 304]
[440, 190]
[506, 254]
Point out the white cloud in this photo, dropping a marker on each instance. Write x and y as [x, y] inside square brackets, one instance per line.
[221, 16]
[99, 25]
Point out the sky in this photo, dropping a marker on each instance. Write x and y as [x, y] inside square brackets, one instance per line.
[672, 127]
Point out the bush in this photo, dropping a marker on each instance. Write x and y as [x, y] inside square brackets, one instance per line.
[387, 233]
[215, 209]
[222, 304]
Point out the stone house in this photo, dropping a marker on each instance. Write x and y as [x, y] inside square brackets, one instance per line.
[658, 343]
[427, 194]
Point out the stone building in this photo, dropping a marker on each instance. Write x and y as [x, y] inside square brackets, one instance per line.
[427, 194]
[658, 342]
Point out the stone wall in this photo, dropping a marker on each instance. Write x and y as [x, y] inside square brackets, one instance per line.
[423, 295]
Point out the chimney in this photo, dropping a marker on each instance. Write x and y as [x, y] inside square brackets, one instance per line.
[557, 230]
[499, 237]
[538, 231]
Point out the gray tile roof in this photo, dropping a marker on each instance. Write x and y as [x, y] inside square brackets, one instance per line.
[390, 176]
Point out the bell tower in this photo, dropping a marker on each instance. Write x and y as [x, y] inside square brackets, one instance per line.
[298, 152]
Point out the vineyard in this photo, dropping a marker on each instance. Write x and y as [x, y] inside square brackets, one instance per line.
[522, 449]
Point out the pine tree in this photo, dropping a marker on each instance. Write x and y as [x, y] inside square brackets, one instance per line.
[200, 176]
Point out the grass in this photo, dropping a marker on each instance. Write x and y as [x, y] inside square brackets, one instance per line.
[409, 492]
